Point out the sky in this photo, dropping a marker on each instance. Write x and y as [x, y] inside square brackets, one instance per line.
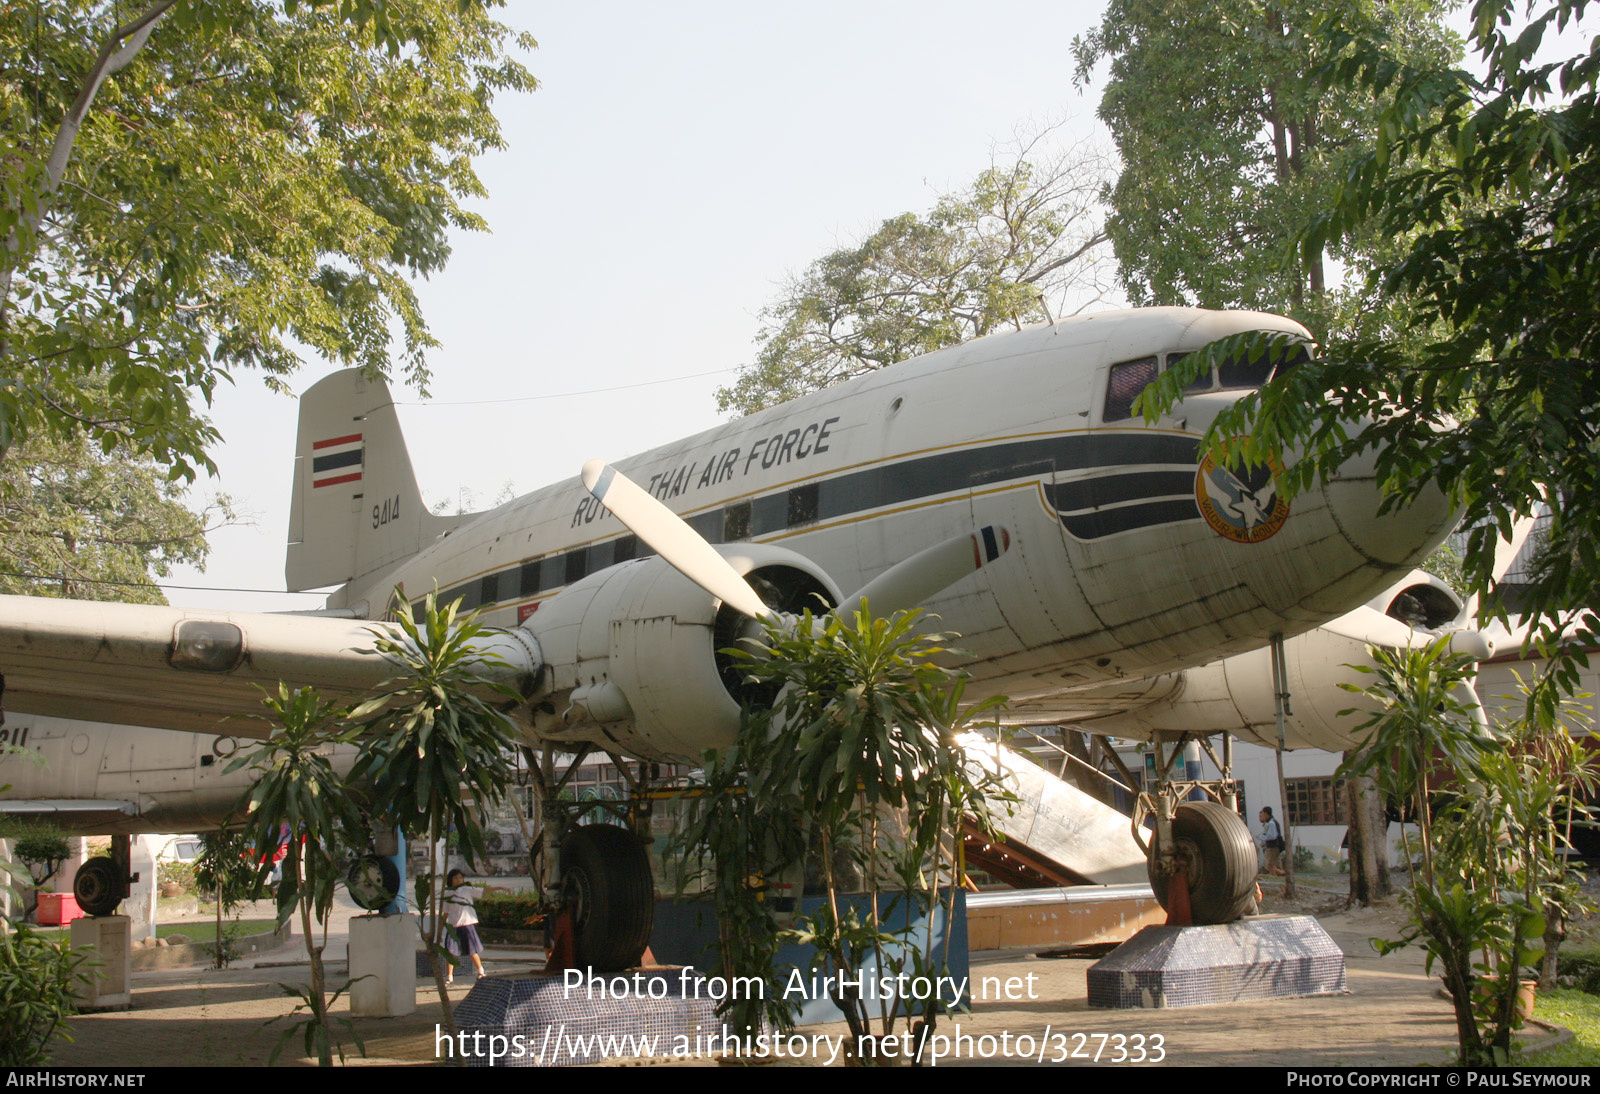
[676, 165]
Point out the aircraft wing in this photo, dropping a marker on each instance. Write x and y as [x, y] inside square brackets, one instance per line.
[176, 668]
[76, 813]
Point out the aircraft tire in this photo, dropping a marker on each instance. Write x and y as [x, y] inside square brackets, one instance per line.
[96, 887]
[606, 882]
[372, 882]
[1216, 839]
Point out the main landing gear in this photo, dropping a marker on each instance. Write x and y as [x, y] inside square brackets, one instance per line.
[1202, 857]
[607, 890]
[594, 880]
[103, 882]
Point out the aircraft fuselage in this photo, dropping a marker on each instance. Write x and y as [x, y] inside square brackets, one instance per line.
[1123, 563]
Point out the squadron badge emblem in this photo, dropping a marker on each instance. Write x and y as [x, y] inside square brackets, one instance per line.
[1245, 506]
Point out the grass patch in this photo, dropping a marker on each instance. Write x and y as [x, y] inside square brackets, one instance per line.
[1579, 1012]
[201, 930]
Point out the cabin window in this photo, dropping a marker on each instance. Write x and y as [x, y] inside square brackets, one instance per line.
[626, 548]
[736, 522]
[577, 565]
[509, 583]
[528, 583]
[803, 504]
[1244, 372]
[1128, 379]
[707, 524]
[470, 595]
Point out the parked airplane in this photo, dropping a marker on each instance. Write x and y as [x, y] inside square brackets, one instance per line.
[1074, 547]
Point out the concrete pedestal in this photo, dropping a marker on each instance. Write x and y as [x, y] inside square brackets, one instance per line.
[1263, 957]
[104, 983]
[551, 1020]
[383, 949]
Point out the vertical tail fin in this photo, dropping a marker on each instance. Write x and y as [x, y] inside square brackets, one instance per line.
[356, 507]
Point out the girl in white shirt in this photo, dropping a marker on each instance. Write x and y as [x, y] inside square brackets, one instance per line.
[462, 919]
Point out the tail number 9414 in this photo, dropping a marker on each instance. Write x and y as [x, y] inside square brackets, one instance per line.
[383, 514]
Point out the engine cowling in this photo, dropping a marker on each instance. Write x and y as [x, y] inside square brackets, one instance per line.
[1237, 694]
[632, 652]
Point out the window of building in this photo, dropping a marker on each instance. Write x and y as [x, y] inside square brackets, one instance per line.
[1316, 801]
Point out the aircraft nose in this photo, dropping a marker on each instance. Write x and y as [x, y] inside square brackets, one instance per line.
[1398, 537]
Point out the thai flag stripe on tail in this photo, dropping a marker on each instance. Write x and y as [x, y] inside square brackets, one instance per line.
[336, 460]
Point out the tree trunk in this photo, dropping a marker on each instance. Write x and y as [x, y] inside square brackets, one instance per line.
[1555, 932]
[119, 48]
[1369, 842]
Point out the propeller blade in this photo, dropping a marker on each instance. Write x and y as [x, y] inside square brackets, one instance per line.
[672, 539]
[1505, 553]
[924, 574]
[1369, 625]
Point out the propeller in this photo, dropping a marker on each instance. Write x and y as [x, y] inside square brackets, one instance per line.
[1368, 624]
[672, 539]
[1505, 553]
[903, 585]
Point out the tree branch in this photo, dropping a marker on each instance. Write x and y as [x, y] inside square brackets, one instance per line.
[119, 48]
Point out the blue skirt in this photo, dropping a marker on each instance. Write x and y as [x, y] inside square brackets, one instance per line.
[463, 941]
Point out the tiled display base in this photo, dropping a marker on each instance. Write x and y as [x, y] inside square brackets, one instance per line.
[538, 1021]
[1263, 957]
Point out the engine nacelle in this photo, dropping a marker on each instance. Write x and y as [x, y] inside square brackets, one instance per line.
[1236, 695]
[631, 652]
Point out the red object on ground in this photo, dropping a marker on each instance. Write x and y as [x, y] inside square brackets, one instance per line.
[563, 952]
[1178, 914]
[58, 909]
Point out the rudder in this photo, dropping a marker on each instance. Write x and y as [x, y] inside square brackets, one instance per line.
[356, 507]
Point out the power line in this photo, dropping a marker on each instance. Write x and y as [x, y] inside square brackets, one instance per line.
[568, 394]
[153, 584]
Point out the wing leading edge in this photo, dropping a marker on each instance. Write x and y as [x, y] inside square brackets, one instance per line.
[176, 668]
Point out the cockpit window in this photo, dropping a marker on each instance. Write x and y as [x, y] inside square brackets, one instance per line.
[1243, 372]
[1297, 356]
[1237, 373]
[1128, 379]
[1202, 382]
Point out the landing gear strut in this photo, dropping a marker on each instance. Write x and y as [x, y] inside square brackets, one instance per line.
[594, 880]
[103, 883]
[1202, 859]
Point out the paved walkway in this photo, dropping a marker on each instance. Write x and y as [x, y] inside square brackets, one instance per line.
[1391, 1016]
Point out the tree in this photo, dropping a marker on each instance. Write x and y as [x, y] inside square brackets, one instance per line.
[77, 522]
[227, 872]
[1022, 244]
[297, 795]
[863, 732]
[1229, 143]
[205, 186]
[435, 750]
[1492, 875]
[37, 976]
[42, 848]
[1490, 391]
